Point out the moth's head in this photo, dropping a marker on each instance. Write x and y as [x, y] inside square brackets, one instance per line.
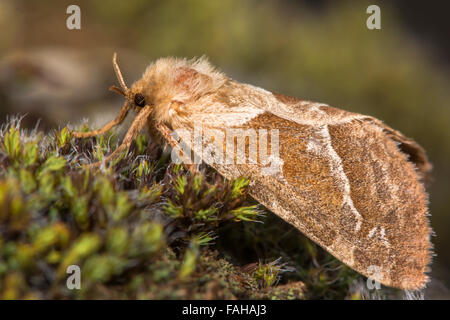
[170, 85]
[134, 98]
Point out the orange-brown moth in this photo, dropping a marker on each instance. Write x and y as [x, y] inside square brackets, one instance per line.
[349, 182]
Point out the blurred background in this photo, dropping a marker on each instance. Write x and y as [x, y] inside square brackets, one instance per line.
[315, 50]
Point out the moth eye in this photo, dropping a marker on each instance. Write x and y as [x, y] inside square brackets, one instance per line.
[139, 100]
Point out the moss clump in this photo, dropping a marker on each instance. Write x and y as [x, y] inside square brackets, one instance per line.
[142, 228]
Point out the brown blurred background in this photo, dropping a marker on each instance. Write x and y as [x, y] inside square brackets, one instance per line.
[317, 50]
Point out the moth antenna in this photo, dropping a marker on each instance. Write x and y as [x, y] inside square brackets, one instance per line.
[118, 73]
[117, 90]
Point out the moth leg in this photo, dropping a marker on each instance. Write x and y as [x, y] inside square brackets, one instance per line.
[135, 128]
[166, 133]
[118, 120]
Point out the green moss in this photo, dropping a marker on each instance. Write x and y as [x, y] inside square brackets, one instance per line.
[267, 275]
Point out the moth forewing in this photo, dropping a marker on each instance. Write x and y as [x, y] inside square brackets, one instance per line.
[343, 180]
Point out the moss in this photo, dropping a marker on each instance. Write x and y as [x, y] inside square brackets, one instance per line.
[142, 228]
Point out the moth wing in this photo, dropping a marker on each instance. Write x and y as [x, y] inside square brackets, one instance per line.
[416, 154]
[342, 180]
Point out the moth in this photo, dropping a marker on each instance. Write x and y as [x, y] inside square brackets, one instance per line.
[347, 181]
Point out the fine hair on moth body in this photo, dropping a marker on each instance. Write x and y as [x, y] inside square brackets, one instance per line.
[348, 181]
